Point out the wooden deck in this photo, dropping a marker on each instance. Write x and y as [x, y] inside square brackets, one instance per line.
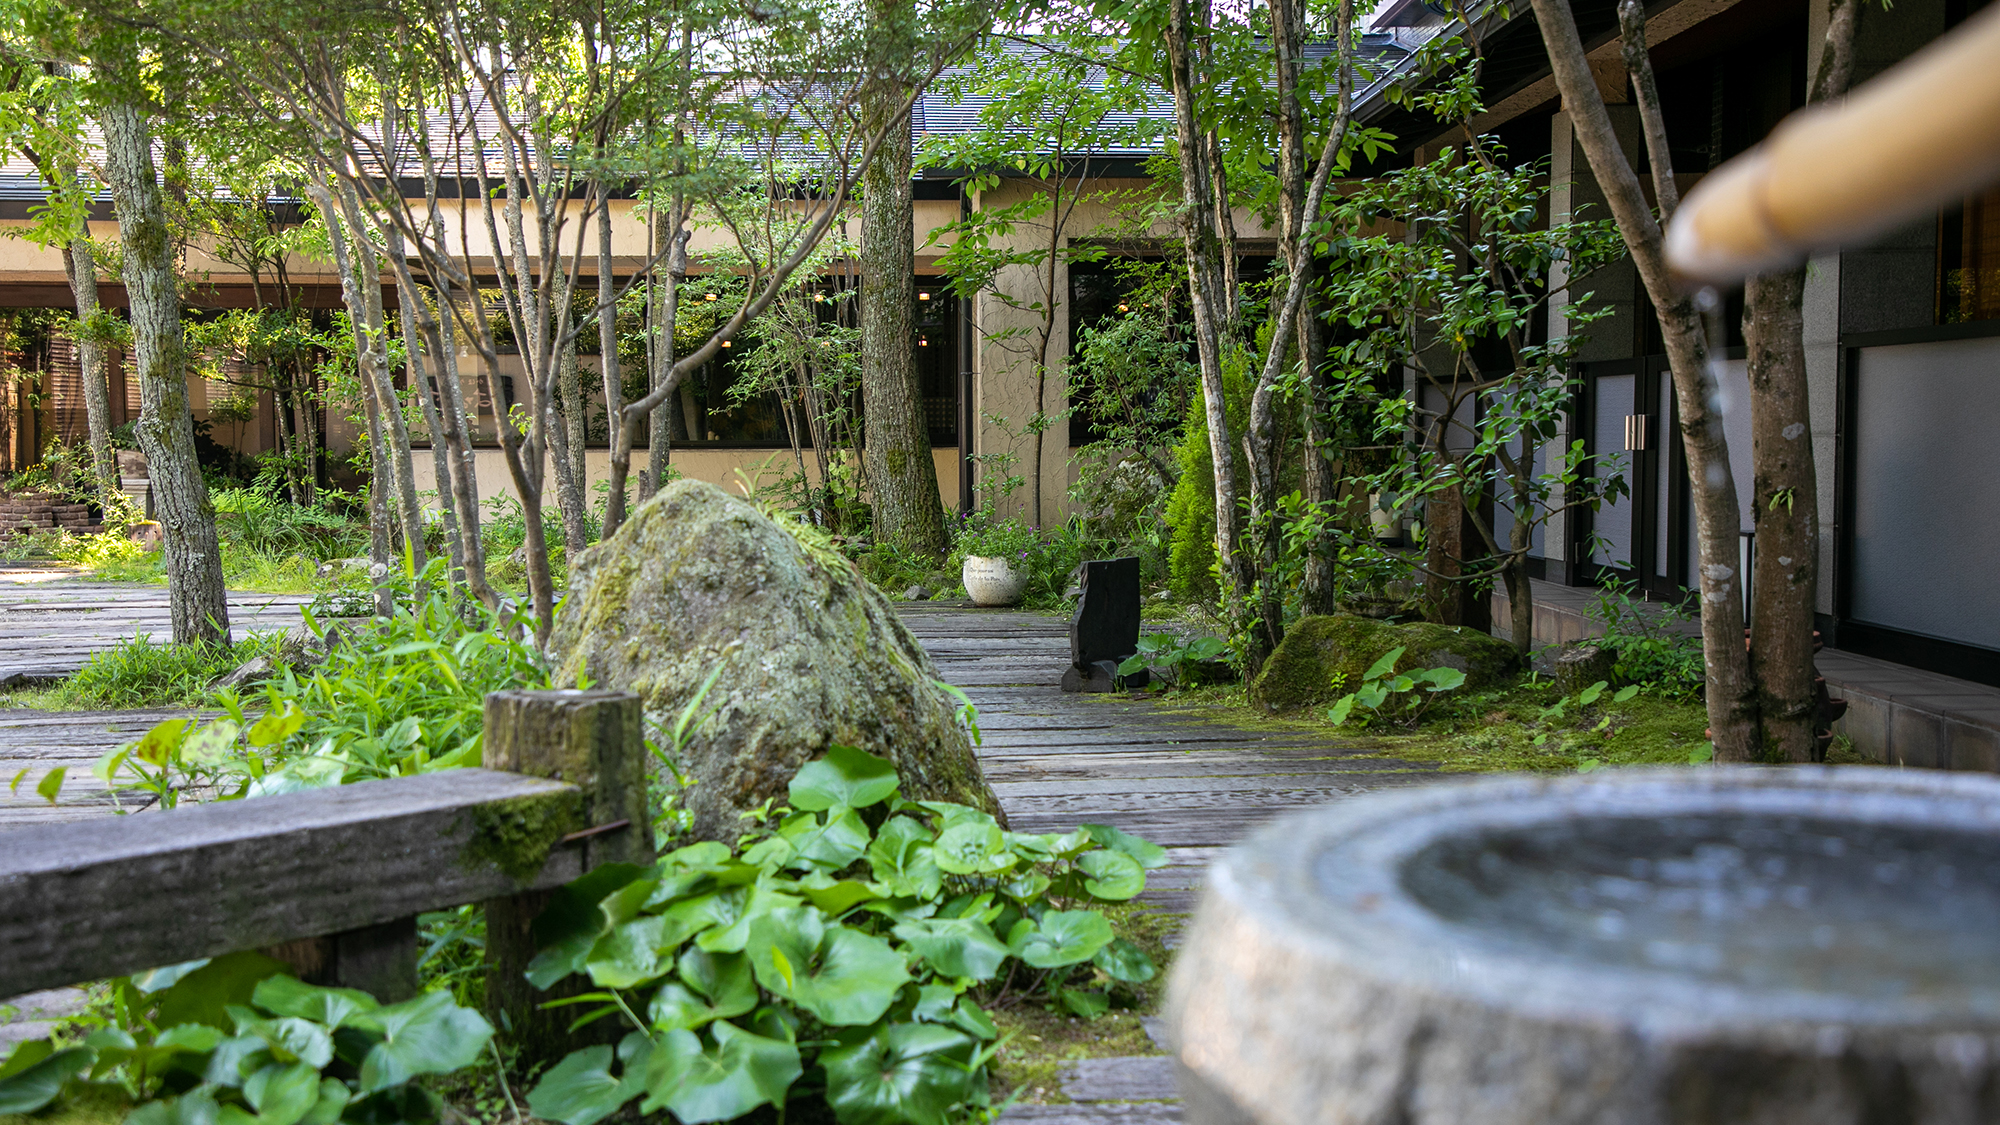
[1189, 785]
[1055, 759]
[51, 619]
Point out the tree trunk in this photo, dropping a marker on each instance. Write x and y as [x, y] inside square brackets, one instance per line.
[81, 266]
[380, 480]
[1322, 475]
[375, 367]
[1208, 303]
[1731, 694]
[198, 602]
[607, 347]
[1786, 493]
[1785, 512]
[664, 314]
[896, 439]
[566, 440]
[414, 339]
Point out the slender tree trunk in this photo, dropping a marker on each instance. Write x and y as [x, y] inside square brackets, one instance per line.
[1786, 492]
[199, 604]
[309, 407]
[414, 339]
[381, 551]
[1731, 694]
[665, 314]
[607, 346]
[375, 367]
[81, 265]
[1785, 512]
[566, 439]
[1520, 538]
[1209, 307]
[1322, 474]
[896, 439]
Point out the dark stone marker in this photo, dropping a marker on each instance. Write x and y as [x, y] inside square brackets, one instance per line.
[1105, 629]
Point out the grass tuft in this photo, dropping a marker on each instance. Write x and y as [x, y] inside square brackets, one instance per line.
[140, 673]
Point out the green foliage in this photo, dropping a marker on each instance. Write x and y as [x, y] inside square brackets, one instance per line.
[845, 937]
[1388, 696]
[234, 1041]
[403, 695]
[140, 673]
[989, 537]
[1173, 656]
[1650, 650]
[259, 519]
[1191, 509]
[1048, 556]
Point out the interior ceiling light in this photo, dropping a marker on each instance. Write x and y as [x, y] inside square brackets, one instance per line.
[922, 296]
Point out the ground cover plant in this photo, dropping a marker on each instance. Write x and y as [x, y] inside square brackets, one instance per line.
[828, 957]
[144, 673]
[236, 1040]
[848, 955]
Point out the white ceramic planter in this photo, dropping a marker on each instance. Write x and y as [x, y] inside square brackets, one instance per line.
[1383, 523]
[992, 581]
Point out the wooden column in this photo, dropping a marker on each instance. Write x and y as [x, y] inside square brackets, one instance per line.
[594, 741]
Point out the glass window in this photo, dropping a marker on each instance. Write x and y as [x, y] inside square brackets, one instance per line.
[1969, 261]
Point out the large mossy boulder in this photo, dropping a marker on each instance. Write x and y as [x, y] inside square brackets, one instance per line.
[811, 655]
[1323, 658]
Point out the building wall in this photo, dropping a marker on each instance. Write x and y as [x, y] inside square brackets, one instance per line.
[737, 471]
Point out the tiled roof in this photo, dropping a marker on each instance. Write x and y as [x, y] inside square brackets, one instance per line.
[936, 112]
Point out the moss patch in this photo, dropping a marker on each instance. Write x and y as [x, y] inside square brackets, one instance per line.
[1045, 1037]
[1324, 658]
[87, 1104]
[517, 834]
[1508, 728]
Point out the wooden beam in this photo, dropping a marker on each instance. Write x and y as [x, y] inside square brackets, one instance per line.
[107, 897]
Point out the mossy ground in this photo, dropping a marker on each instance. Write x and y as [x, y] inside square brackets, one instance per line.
[1043, 1038]
[93, 1105]
[1514, 727]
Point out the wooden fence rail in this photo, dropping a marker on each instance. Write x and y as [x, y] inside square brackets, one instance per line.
[348, 867]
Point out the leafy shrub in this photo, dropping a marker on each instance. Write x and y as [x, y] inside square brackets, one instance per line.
[402, 696]
[1386, 695]
[293, 1054]
[988, 537]
[1649, 650]
[834, 955]
[139, 673]
[1047, 556]
[1175, 657]
[259, 519]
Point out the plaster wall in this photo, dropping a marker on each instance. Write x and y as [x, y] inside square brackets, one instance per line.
[719, 467]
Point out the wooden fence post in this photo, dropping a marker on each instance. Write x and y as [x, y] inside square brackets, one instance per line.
[593, 740]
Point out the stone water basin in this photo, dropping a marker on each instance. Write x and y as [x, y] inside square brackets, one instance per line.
[1713, 945]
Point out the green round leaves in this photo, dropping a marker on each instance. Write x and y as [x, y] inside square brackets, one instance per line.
[839, 937]
[846, 777]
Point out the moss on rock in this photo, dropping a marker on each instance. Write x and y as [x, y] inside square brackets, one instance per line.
[1323, 658]
[811, 655]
